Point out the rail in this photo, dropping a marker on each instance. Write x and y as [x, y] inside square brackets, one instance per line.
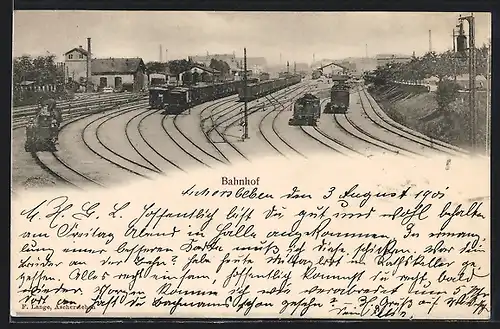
[30, 110]
[66, 105]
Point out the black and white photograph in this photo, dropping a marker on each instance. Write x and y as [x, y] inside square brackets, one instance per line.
[96, 103]
[217, 164]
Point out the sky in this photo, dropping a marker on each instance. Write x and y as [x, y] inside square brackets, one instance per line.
[294, 35]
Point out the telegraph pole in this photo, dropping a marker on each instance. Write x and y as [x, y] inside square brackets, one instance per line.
[454, 57]
[245, 128]
[472, 78]
[488, 95]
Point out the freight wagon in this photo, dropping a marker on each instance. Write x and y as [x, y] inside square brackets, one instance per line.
[175, 100]
[263, 88]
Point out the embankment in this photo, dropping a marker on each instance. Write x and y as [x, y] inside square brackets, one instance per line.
[414, 106]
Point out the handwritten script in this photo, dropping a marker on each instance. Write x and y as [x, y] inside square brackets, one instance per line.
[205, 250]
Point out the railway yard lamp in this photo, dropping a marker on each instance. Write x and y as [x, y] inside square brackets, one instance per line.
[462, 48]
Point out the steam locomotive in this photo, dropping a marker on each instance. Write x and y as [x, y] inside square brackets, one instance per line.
[306, 111]
[339, 96]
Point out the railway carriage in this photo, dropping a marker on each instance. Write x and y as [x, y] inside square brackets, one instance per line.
[263, 88]
[179, 99]
[306, 111]
[158, 96]
[175, 100]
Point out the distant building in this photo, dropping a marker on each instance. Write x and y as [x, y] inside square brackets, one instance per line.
[334, 69]
[256, 64]
[463, 81]
[126, 73]
[302, 67]
[384, 59]
[230, 59]
[75, 62]
[206, 73]
[118, 73]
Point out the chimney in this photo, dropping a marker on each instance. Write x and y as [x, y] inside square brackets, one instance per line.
[89, 66]
[430, 41]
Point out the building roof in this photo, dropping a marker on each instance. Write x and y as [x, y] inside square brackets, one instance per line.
[116, 65]
[204, 68]
[79, 49]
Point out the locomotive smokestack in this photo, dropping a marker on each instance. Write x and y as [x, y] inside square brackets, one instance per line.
[89, 65]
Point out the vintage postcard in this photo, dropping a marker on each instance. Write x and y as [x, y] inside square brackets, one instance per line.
[319, 165]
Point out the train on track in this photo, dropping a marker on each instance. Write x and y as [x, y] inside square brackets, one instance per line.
[263, 88]
[339, 96]
[42, 130]
[306, 111]
[175, 100]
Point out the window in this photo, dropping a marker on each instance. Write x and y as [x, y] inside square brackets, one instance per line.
[103, 82]
[81, 56]
[70, 56]
[118, 82]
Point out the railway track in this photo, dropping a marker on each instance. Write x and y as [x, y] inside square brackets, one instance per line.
[54, 165]
[274, 129]
[141, 138]
[213, 126]
[257, 108]
[236, 117]
[384, 122]
[65, 106]
[324, 139]
[159, 154]
[229, 121]
[349, 127]
[119, 160]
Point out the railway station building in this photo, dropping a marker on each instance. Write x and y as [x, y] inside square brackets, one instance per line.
[205, 73]
[117, 73]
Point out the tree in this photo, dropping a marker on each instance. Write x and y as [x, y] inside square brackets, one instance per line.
[447, 92]
[156, 67]
[443, 65]
[178, 66]
[220, 66]
[22, 69]
[42, 69]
